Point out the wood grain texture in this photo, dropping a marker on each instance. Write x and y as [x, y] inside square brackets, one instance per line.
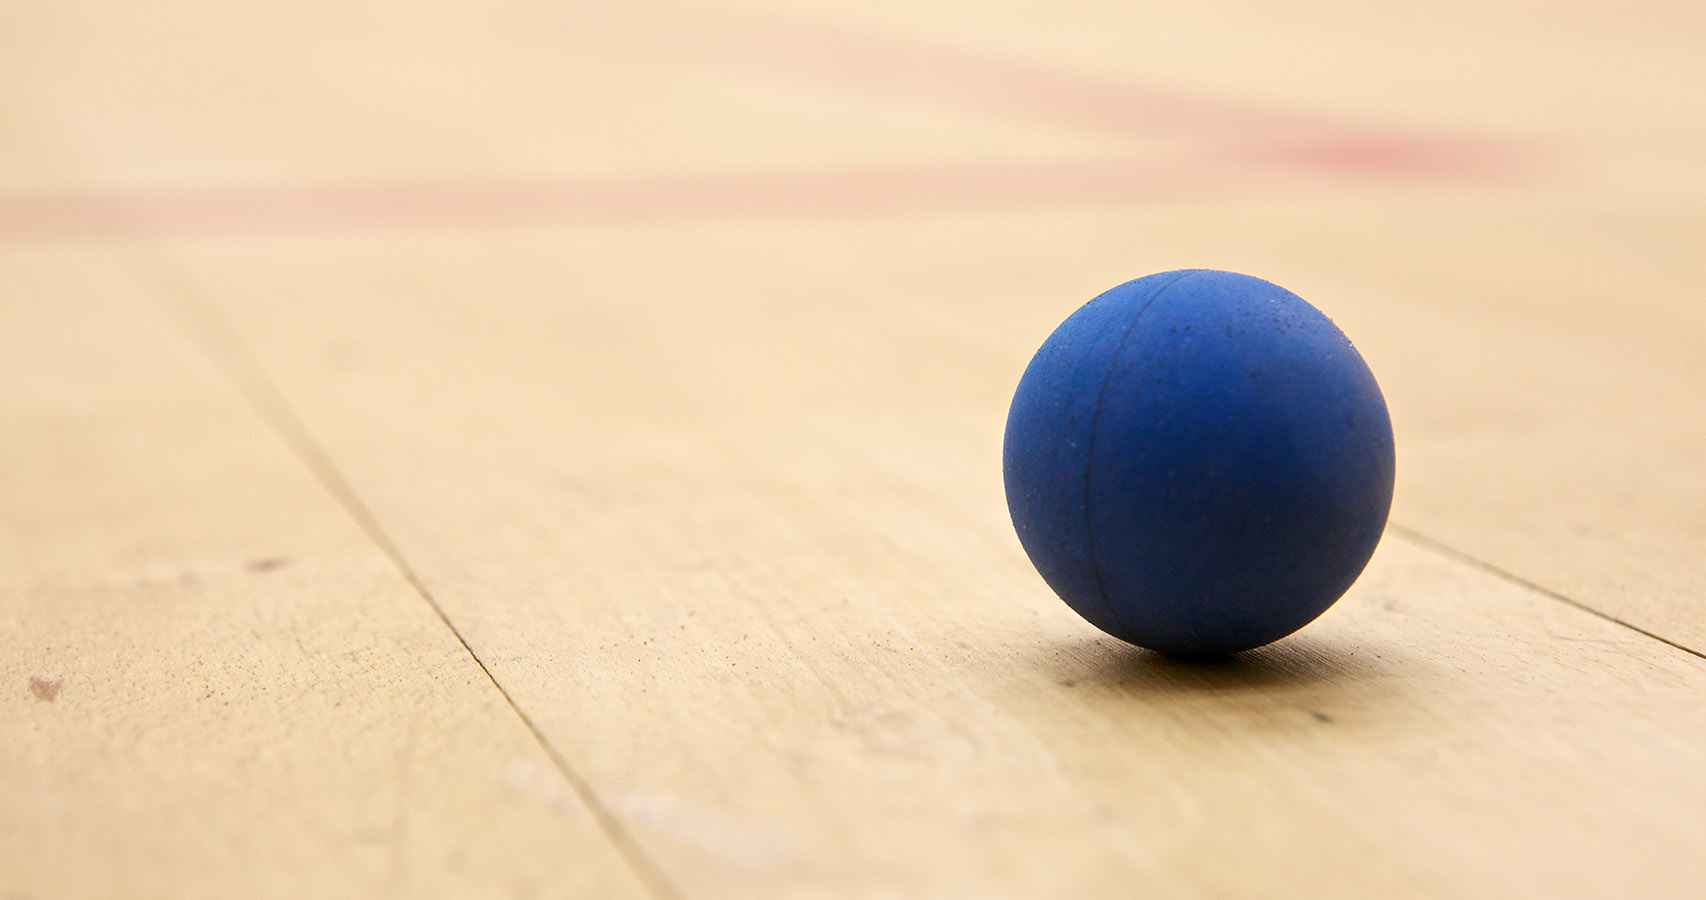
[647, 534]
[214, 685]
[666, 346]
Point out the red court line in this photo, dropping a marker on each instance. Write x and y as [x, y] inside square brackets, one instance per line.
[794, 50]
[308, 208]
[1241, 149]
[272, 210]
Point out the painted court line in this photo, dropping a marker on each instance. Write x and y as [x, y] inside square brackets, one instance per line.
[793, 50]
[1230, 149]
[309, 208]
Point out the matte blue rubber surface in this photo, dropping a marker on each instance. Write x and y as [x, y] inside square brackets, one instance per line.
[1199, 462]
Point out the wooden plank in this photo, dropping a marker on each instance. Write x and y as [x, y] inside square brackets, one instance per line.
[214, 684]
[720, 508]
[1545, 385]
[719, 504]
[1560, 449]
[1552, 416]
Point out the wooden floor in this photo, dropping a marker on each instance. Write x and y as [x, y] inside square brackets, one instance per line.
[553, 450]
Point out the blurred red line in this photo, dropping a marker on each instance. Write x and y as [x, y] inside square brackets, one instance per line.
[1242, 148]
[240, 210]
[309, 209]
[794, 50]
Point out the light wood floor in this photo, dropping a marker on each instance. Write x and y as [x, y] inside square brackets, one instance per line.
[552, 450]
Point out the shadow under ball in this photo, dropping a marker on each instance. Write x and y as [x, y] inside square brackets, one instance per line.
[1198, 462]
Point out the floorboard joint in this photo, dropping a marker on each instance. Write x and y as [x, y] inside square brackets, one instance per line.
[187, 303]
[1444, 549]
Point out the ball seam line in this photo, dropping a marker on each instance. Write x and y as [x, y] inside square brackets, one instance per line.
[1090, 449]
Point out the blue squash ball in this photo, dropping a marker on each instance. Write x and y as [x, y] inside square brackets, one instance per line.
[1199, 462]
